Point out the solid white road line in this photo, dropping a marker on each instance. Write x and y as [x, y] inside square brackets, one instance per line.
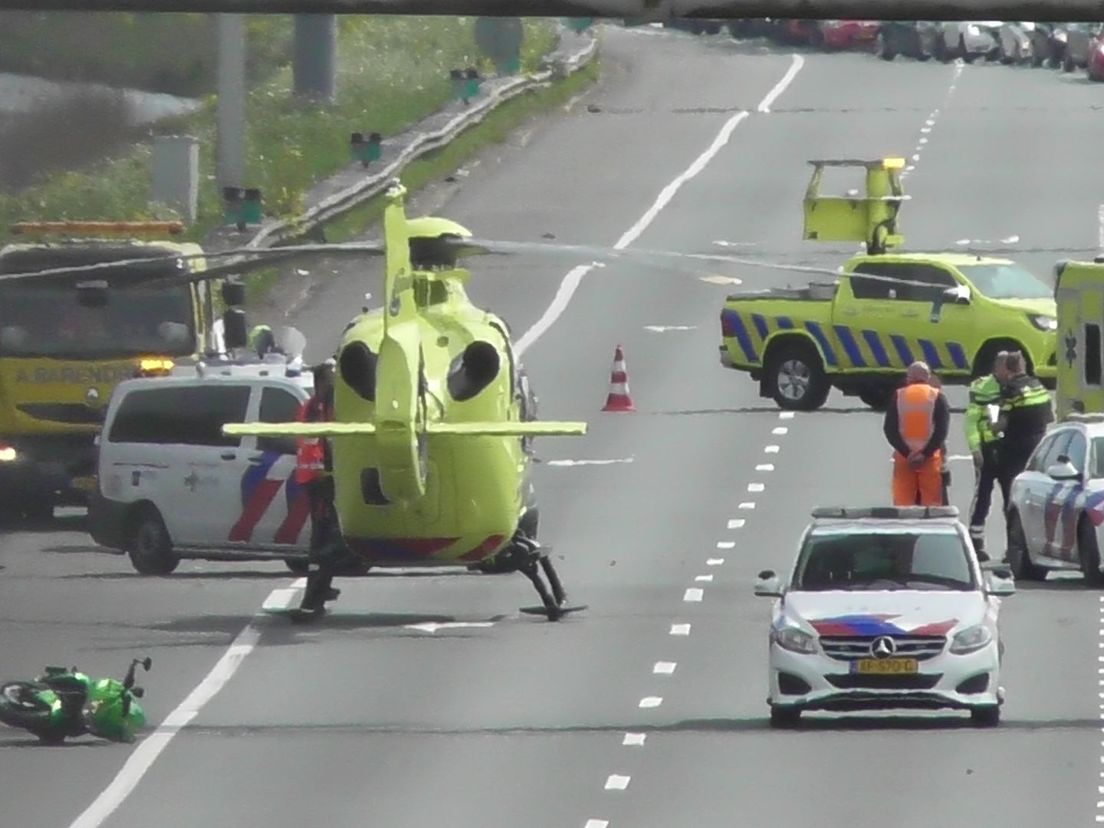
[575, 276]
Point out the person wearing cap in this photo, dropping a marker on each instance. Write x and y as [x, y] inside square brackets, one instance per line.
[1025, 413]
[314, 471]
[916, 425]
[983, 440]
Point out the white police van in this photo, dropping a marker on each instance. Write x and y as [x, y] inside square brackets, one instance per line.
[171, 485]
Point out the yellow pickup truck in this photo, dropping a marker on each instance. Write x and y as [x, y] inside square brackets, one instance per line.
[859, 335]
[885, 309]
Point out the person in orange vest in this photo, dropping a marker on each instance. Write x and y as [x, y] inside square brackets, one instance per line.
[916, 426]
[314, 471]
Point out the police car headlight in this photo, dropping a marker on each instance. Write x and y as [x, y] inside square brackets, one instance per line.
[8, 454]
[794, 640]
[1044, 323]
[971, 639]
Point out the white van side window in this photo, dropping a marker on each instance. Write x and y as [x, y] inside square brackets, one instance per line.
[278, 406]
[188, 415]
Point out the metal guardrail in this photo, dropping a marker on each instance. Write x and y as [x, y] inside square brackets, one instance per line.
[275, 231]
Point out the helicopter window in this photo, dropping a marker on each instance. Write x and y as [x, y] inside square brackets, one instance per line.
[278, 406]
[1092, 355]
[188, 415]
[357, 365]
[504, 329]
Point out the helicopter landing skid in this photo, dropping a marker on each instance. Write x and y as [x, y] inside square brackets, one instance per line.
[530, 555]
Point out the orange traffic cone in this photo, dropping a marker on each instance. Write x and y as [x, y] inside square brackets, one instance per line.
[619, 399]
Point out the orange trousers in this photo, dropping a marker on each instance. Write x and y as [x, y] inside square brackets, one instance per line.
[922, 486]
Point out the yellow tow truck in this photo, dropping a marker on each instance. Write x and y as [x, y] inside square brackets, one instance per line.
[859, 332]
[65, 342]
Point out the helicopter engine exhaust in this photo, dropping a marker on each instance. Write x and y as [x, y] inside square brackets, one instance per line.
[473, 370]
[358, 369]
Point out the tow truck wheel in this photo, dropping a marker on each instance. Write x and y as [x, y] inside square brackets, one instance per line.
[797, 378]
[148, 544]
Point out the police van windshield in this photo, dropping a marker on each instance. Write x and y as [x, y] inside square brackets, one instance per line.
[885, 560]
[1006, 281]
[49, 321]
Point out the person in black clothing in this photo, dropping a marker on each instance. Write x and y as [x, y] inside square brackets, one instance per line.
[1025, 413]
[325, 542]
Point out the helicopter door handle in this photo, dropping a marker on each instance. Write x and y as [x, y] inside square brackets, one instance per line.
[228, 455]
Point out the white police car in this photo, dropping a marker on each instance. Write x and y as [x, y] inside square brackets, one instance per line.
[171, 485]
[1056, 519]
[885, 608]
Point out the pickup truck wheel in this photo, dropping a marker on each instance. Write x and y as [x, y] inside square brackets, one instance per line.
[148, 544]
[797, 378]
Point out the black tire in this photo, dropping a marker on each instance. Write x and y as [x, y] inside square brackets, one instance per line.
[30, 716]
[781, 717]
[963, 52]
[298, 566]
[148, 544]
[804, 385]
[882, 47]
[986, 716]
[1018, 559]
[1067, 64]
[1089, 553]
[877, 397]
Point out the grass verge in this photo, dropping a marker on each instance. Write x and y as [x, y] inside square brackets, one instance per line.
[392, 71]
[494, 128]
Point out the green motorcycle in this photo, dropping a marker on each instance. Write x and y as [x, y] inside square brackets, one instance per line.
[65, 703]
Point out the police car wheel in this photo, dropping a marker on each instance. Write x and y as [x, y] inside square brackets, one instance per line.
[1018, 560]
[148, 544]
[1089, 553]
[987, 716]
[785, 716]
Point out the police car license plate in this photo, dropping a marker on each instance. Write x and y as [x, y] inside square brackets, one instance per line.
[884, 666]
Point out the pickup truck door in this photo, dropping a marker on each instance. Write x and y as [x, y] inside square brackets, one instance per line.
[868, 317]
[273, 508]
[897, 319]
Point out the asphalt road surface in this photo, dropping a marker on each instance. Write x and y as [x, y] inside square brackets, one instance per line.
[649, 708]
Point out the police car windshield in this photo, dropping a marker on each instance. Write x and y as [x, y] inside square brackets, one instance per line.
[38, 320]
[883, 560]
[1006, 281]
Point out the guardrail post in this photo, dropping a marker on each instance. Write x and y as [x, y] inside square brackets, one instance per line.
[366, 150]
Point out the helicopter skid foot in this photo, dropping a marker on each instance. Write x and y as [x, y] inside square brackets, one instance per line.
[553, 606]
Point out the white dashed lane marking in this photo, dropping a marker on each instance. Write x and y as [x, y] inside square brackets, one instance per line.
[651, 701]
[664, 668]
[693, 594]
[704, 578]
[756, 487]
[764, 467]
[617, 783]
[634, 739]
[736, 523]
[726, 544]
[715, 562]
[680, 629]
[771, 450]
[780, 430]
[747, 505]
[597, 823]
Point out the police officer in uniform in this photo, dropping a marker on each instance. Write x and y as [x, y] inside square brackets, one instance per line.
[315, 472]
[983, 441]
[1025, 413]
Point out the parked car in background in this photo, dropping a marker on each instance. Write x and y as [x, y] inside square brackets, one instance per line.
[1048, 44]
[912, 38]
[969, 40]
[1078, 39]
[845, 34]
[1095, 63]
[1016, 42]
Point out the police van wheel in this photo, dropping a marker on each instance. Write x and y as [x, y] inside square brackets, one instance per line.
[797, 378]
[1089, 553]
[1018, 559]
[148, 544]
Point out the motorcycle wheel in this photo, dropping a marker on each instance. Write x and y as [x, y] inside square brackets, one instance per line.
[20, 707]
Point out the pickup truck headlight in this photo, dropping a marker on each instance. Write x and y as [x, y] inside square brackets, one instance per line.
[8, 454]
[794, 640]
[1044, 323]
[971, 639]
